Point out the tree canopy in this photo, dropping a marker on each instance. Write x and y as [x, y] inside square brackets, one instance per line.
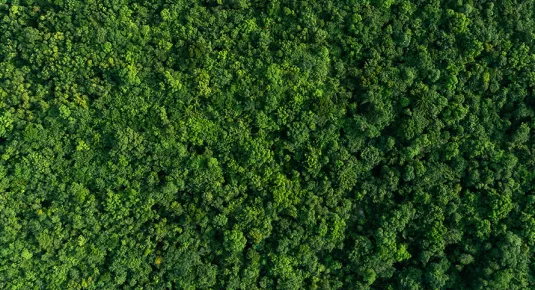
[284, 144]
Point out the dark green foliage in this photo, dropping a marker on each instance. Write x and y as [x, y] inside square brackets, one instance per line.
[244, 144]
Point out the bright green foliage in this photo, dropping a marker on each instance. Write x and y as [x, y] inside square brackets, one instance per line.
[246, 144]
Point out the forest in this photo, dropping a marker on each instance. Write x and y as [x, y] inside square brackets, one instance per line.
[267, 144]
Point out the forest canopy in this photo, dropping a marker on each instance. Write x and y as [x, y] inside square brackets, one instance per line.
[282, 144]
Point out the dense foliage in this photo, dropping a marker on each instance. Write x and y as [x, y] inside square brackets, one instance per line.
[248, 144]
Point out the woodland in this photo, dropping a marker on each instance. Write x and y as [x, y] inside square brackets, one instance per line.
[267, 144]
